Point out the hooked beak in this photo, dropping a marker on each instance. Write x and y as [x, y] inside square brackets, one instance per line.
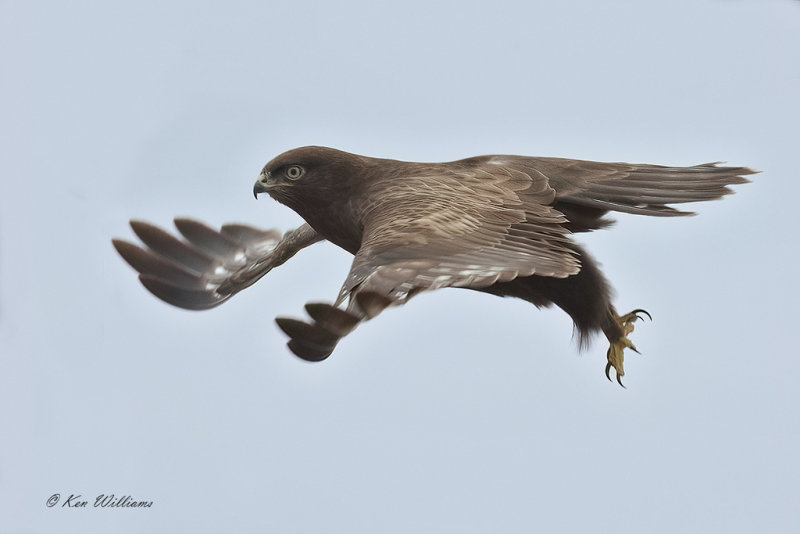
[262, 185]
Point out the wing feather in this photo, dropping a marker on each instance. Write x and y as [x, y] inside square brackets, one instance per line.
[210, 266]
[462, 226]
[632, 188]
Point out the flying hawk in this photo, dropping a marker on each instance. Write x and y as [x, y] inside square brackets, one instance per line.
[498, 224]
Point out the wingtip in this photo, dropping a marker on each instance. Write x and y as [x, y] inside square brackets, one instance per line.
[307, 352]
[143, 229]
[128, 251]
[748, 170]
[138, 223]
[184, 220]
[736, 171]
[181, 297]
[118, 243]
[312, 342]
[335, 320]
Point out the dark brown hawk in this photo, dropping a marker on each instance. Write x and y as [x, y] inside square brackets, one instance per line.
[497, 224]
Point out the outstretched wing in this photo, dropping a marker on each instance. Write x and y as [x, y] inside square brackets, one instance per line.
[631, 188]
[208, 267]
[455, 225]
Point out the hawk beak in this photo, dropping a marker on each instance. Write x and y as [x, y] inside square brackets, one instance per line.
[261, 185]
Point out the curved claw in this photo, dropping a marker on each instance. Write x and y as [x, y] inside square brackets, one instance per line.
[608, 375]
[636, 313]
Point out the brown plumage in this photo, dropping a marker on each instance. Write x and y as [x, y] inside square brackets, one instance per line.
[498, 224]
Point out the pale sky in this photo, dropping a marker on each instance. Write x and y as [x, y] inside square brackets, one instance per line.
[460, 412]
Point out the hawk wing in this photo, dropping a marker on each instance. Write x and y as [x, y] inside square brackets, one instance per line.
[209, 266]
[454, 225]
[488, 219]
[640, 189]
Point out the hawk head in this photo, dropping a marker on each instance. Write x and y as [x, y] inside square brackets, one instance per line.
[308, 172]
[323, 186]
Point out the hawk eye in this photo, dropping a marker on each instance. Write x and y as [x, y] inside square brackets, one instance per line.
[293, 172]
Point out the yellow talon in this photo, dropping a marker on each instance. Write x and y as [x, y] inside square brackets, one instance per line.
[616, 349]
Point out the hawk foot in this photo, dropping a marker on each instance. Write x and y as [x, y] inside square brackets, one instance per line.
[615, 351]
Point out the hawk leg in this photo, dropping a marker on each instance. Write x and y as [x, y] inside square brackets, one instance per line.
[586, 297]
[615, 350]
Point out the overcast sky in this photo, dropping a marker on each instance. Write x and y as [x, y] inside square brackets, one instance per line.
[460, 412]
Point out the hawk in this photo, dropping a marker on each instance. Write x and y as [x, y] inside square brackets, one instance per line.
[499, 224]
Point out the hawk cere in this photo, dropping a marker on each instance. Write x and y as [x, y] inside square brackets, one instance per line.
[497, 224]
